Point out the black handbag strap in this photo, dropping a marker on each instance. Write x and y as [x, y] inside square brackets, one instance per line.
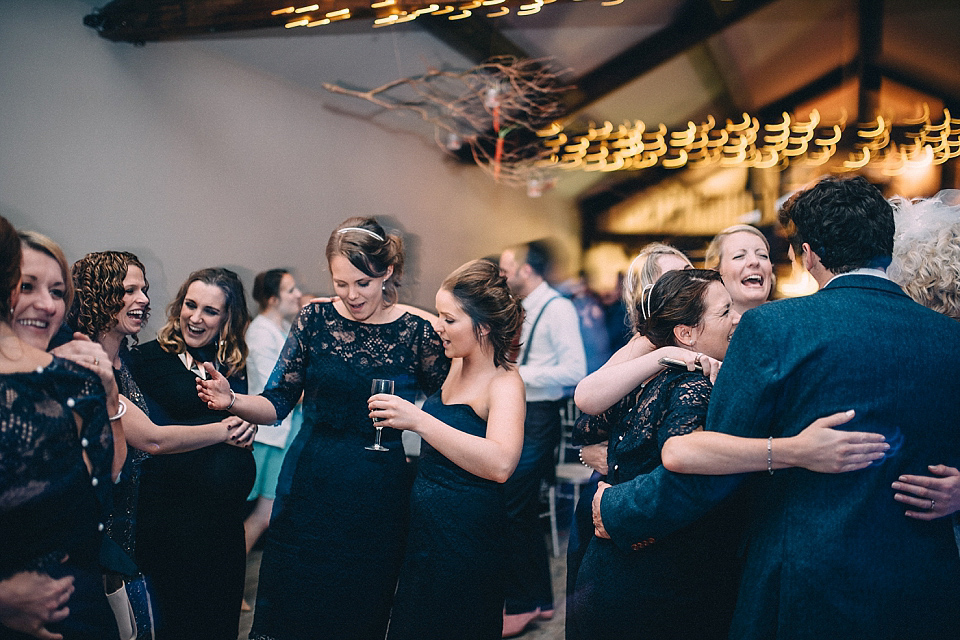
[526, 347]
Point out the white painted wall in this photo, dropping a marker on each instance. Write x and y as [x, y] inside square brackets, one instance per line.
[226, 152]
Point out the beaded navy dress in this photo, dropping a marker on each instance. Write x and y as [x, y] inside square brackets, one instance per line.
[51, 506]
[451, 584]
[682, 586]
[189, 527]
[336, 538]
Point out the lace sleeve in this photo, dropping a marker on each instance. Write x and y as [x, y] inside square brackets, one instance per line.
[688, 398]
[434, 365]
[286, 382]
[591, 429]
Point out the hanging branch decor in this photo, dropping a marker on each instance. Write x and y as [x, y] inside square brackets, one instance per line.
[493, 111]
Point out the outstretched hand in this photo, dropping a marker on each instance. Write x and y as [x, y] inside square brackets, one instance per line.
[215, 390]
[823, 449]
[935, 497]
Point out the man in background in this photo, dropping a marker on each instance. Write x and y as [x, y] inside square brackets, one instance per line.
[551, 357]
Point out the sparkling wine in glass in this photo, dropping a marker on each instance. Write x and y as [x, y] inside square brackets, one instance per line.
[379, 385]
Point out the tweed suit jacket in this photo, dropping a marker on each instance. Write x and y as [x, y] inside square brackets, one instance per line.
[828, 555]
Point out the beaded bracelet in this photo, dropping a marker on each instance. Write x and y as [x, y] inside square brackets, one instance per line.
[580, 455]
[770, 455]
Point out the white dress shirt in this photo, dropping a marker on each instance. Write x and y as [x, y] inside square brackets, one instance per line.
[556, 356]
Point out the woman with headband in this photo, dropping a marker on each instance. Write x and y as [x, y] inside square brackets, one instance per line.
[336, 539]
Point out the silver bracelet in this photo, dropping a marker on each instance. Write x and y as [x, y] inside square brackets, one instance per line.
[770, 455]
[122, 410]
[580, 455]
[233, 398]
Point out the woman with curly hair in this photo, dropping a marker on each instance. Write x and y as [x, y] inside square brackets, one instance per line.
[110, 307]
[451, 584]
[190, 515]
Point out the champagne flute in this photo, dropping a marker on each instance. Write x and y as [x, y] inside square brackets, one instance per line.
[379, 385]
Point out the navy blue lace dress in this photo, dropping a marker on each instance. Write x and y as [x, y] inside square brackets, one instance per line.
[336, 539]
[51, 506]
[451, 584]
[683, 586]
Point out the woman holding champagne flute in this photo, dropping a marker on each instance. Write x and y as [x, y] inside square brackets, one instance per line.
[451, 584]
[336, 539]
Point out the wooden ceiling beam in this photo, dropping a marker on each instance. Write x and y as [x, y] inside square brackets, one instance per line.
[474, 38]
[695, 22]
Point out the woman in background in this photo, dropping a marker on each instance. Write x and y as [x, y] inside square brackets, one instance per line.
[61, 445]
[452, 580]
[741, 254]
[190, 513]
[926, 263]
[335, 543]
[277, 295]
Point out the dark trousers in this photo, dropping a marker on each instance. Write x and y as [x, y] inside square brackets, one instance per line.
[528, 583]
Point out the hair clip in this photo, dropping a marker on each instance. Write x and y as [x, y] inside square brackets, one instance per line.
[362, 230]
[645, 296]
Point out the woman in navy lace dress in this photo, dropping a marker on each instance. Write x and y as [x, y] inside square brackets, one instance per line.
[451, 584]
[57, 461]
[336, 539]
[683, 586]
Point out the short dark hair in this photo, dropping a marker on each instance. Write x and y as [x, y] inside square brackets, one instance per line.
[846, 221]
[266, 285]
[482, 292]
[677, 298]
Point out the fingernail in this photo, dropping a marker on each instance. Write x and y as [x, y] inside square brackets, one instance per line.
[896, 485]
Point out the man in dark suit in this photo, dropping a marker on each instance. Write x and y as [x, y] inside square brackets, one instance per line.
[828, 556]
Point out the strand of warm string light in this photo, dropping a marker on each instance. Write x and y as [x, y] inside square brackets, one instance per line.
[390, 12]
[747, 142]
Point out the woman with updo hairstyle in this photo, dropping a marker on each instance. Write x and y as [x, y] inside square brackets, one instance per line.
[684, 586]
[451, 584]
[336, 538]
[189, 529]
[60, 450]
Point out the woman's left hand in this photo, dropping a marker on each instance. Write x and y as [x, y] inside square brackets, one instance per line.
[935, 497]
[393, 411]
[243, 434]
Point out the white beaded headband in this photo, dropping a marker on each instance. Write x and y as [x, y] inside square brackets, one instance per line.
[362, 230]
